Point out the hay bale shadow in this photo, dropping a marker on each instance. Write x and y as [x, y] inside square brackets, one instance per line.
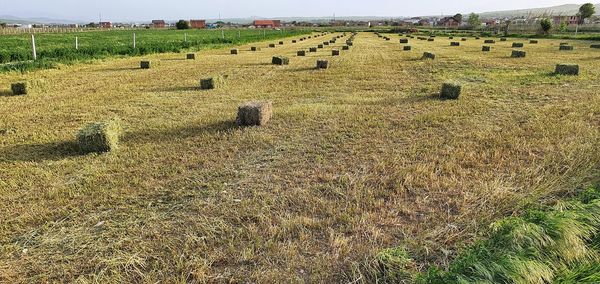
[40, 152]
[117, 69]
[154, 135]
[176, 89]
[6, 93]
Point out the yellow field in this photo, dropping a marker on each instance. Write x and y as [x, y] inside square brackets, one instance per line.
[357, 158]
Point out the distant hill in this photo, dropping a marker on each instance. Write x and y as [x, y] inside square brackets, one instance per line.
[567, 10]
[15, 20]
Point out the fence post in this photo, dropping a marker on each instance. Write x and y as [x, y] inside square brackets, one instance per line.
[77, 43]
[185, 37]
[133, 40]
[34, 53]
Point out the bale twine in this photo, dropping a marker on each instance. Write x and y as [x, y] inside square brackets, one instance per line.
[518, 54]
[567, 69]
[322, 64]
[280, 60]
[99, 137]
[254, 113]
[450, 91]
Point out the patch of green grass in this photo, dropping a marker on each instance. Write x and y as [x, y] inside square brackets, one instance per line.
[556, 245]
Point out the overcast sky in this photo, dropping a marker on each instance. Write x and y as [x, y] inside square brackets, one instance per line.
[138, 10]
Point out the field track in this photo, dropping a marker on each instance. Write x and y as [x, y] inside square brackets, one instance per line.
[359, 157]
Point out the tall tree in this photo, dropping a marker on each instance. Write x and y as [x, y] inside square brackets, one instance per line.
[546, 25]
[474, 20]
[182, 25]
[586, 10]
[458, 17]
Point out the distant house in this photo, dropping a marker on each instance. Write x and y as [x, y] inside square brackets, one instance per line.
[423, 22]
[569, 20]
[106, 25]
[198, 24]
[449, 22]
[159, 24]
[267, 23]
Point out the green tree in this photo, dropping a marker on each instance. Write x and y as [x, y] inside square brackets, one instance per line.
[458, 17]
[182, 25]
[474, 20]
[586, 10]
[546, 25]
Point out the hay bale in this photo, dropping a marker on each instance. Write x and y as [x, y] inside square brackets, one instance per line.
[345, 47]
[489, 41]
[294, 41]
[335, 52]
[254, 48]
[486, 48]
[407, 48]
[191, 56]
[312, 49]
[234, 51]
[517, 44]
[477, 37]
[450, 91]
[145, 64]
[100, 137]
[349, 43]
[19, 88]
[455, 43]
[428, 55]
[533, 41]
[387, 38]
[463, 39]
[280, 60]
[567, 69]
[325, 43]
[322, 64]
[518, 54]
[503, 39]
[281, 43]
[403, 40]
[450, 37]
[565, 47]
[595, 46]
[320, 46]
[211, 82]
[254, 113]
[301, 53]
[564, 43]
[430, 39]
[271, 45]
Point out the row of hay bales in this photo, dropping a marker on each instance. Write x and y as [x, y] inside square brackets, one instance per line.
[101, 137]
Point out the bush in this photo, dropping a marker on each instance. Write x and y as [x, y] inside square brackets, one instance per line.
[182, 25]
[546, 25]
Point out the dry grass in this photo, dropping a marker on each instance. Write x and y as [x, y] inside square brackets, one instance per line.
[357, 158]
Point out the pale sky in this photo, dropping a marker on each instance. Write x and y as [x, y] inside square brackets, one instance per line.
[143, 10]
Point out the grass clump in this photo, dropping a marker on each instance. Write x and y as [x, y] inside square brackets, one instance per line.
[557, 245]
[100, 137]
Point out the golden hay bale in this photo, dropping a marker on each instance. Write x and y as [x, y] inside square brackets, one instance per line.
[567, 69]
[212, 82]
[428, 55]
[518, 54]
[100, 137]
[254, 113]
[280, 60]
[19, 88]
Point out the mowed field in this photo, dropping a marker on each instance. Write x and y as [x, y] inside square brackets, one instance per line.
[360, 157]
